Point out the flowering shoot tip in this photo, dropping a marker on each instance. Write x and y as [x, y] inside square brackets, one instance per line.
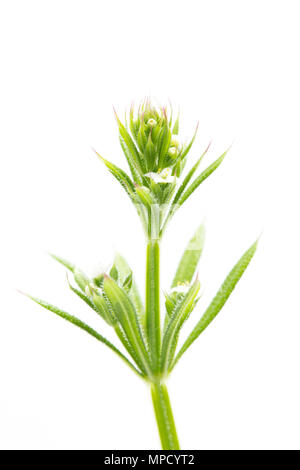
[156, 159]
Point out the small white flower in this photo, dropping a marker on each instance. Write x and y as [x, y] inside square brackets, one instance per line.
[163, 176]
[151, 122]
[173, 152]
[181, 288]
[175, 142]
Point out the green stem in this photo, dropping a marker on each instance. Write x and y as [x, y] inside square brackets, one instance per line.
[164, 417]
[152, 302]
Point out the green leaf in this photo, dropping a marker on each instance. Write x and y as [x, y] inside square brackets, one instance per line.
[171, 300]
[145, 196]
[177, 319]
[122, 266]
[128, 282]
[189, 146]
[85, 327]
[133, 124]
[150, 153]
[81, 279]
[141, 137]
[189, 177]
[124, 271]
[127, 345]
[190, 258]
[82, 296]
[114, 273]
[205, 174]
[164, 146]
[98, 304]
[98, 280]
[175, 203]
[70, 266]
[125, 313]
[220, 299]
[120, 176]
[175, 129]
[135, 170]
[103, 309]
[131, 152]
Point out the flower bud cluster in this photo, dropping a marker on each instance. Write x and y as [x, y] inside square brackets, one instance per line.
[155, 136]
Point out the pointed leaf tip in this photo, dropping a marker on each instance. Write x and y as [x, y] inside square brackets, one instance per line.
[22, 293]
[116, 115]
[63, 261]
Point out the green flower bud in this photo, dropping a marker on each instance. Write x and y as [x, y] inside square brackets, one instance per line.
[173, 152]
[150, 143]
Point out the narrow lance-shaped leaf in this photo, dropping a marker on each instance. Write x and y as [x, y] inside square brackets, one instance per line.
[120, 175]
[189, 146]
[85, 327]
[132, 123]
[126, 315]
[102, 307]
[189, 176]
[177, 319]
[127, 345]
[132, 166]
[114, 273]
[175, 129]
[81, 279]
[128, 283]
[70, 266]
[205, 174]
[164, 145]
[82, 296]
[190, 258]
[97, 304]
[150, 153]
[130, 151]
[145, 196]
[220, 299]
[175, 203]
[124, 270]
[142, 138]
[170, 305]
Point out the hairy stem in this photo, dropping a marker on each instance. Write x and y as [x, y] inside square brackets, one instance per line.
[164, 417]
[152, 302]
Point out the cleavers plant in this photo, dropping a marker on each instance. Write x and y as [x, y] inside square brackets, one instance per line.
[156, 158]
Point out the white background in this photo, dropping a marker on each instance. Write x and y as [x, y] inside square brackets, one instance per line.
[232, 65]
